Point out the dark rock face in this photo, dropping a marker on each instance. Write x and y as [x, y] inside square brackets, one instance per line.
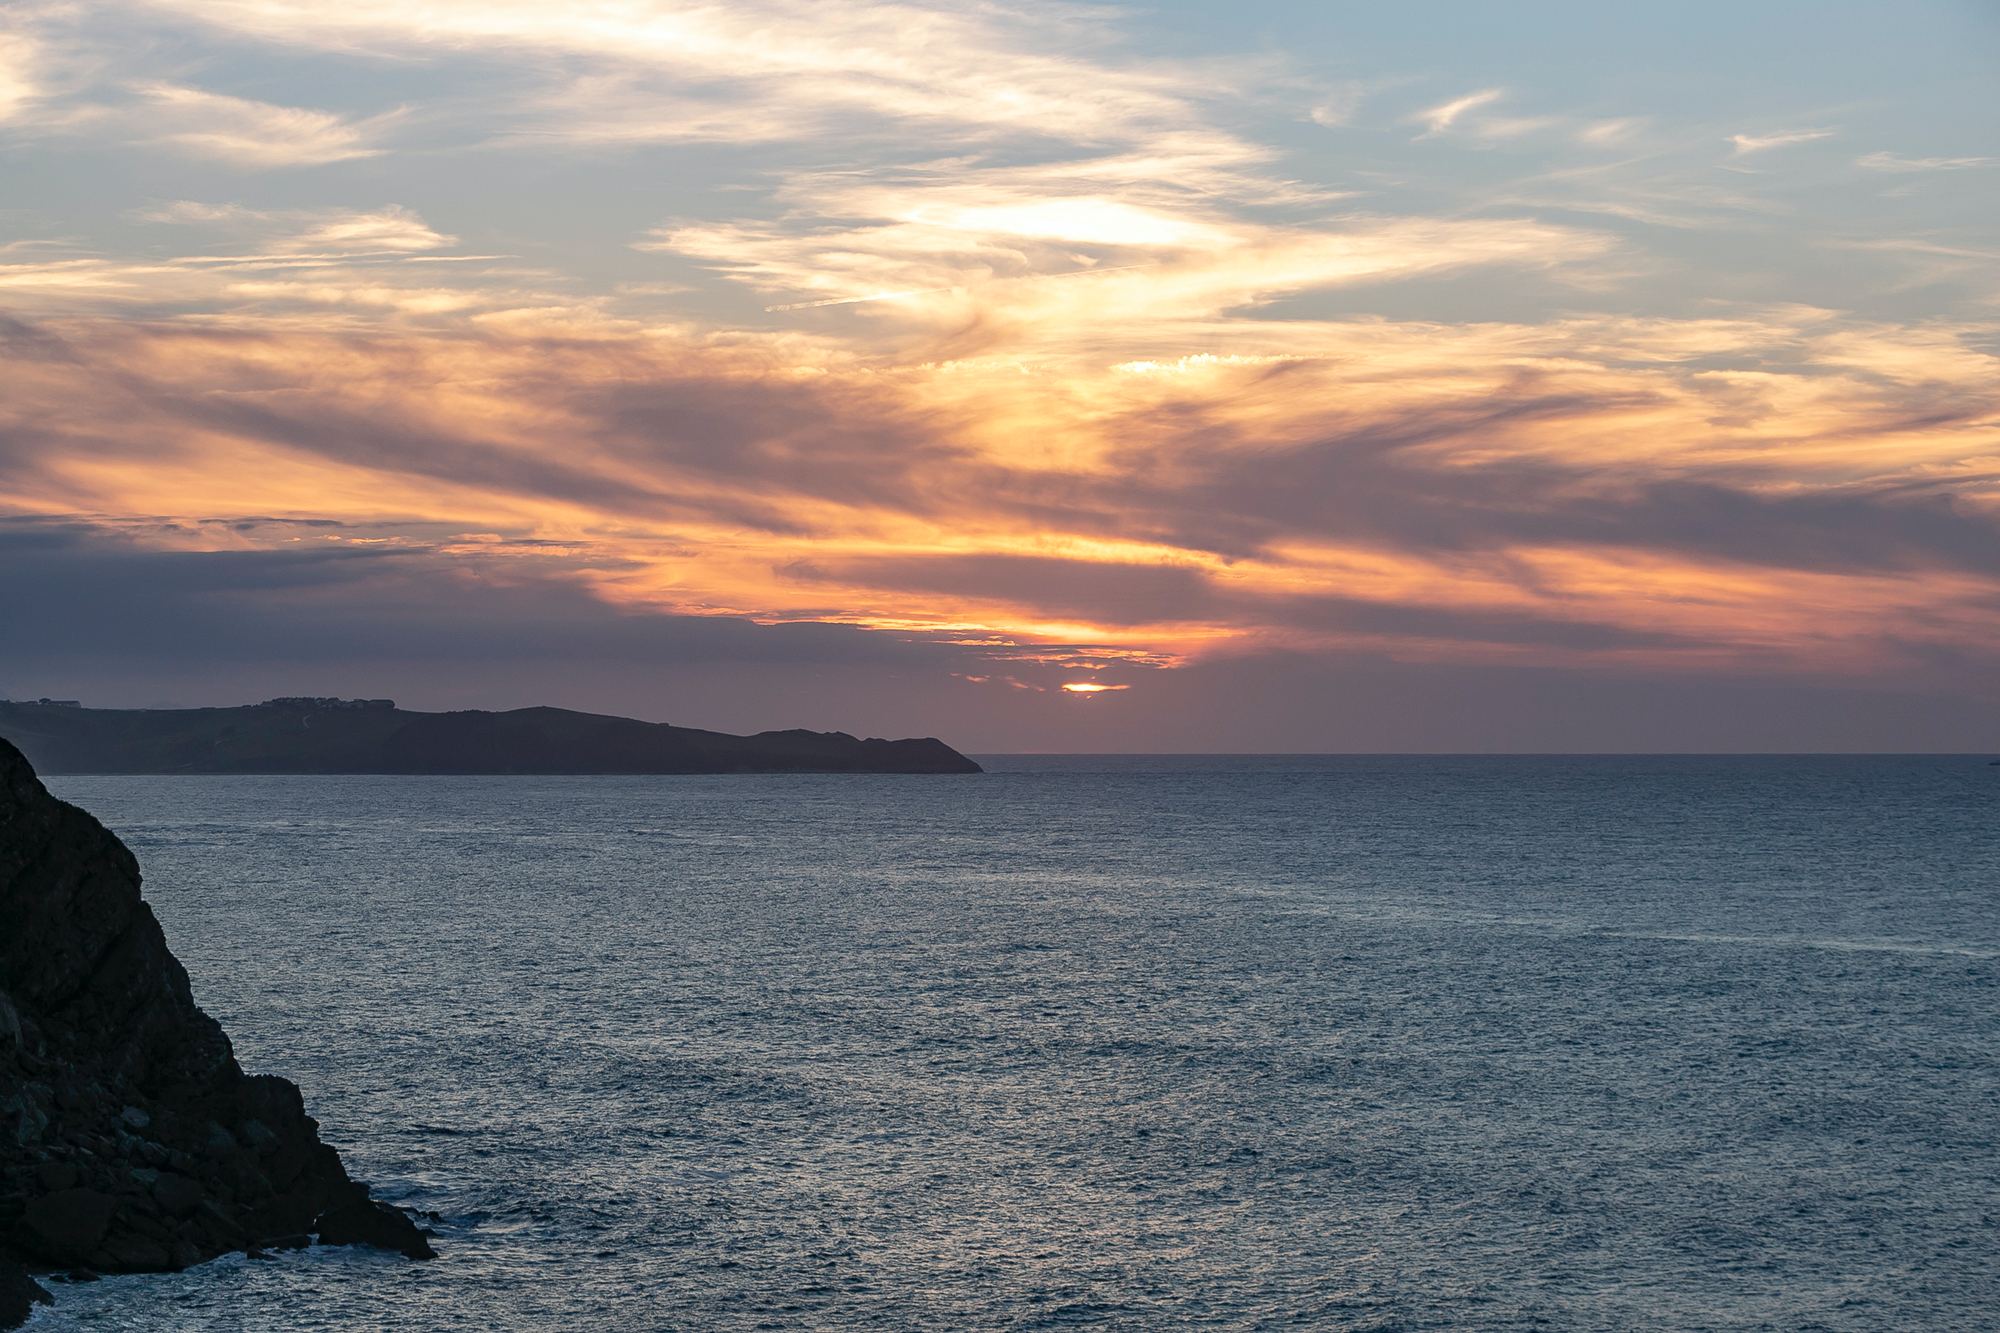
[130, 1139]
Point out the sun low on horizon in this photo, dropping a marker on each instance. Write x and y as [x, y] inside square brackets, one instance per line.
[1285, 376]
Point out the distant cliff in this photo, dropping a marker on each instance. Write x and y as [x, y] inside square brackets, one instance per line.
[130, 1139]
[374, 736]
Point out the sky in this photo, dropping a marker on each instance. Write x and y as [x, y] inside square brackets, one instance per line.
[1280, 376]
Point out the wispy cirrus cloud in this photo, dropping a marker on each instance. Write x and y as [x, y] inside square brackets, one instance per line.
[248, 133]
[1442, 118]
[783, 63]
[1070, 285]
[271, 261]
[1746, 144]
[392, 229]
[1341, 102]
[1605, 133]
[1897, 163]
[1472, 116]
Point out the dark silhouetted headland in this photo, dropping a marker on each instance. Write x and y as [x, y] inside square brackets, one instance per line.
[374, 736]
[130, 1139]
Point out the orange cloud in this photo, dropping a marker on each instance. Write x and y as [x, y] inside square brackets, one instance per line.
[1577, 492]
[1086, 382]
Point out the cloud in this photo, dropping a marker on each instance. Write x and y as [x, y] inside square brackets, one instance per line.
[1441, 118]
[1746, 144]
[250, 134]
[1358, 702]
[403, 299]
[1087, 268]
[341, 609]
[274, 261]
[647, 73]
[340, 592]
[1603, 133]
[393, 229]
[1089, 591]
[437, 626]
[194, 212]
[61, 79]
[1122, 593]
[1514, 127]
[1893, 162]
[1458, 114]
[1596, 489]
[1340, 105]
[18, 81]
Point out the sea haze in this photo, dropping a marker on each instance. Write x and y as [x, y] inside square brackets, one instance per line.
[1381, 1043]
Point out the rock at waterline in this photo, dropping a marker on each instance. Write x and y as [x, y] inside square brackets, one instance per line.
[363, 1221]
[130, 1138]
[19, 1294]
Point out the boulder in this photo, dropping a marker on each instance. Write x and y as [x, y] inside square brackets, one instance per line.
[67, 1223]
[177, 1195]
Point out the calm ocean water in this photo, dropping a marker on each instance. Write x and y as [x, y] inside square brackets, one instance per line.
[1147, 1043]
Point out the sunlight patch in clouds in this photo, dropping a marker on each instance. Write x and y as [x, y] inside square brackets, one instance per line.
[18, 85]
[1085, 221]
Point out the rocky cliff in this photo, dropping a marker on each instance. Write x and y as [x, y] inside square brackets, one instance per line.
[130, 1139]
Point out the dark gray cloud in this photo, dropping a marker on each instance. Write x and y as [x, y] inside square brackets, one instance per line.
[100, 614]
[1368, 704]
[1373, 482]
[644, 437]
[771, 433]
[1111, 593]
[78, 595]
[1105, 592]
[633, 433]
[126, 608]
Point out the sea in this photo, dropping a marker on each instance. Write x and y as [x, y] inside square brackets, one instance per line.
[1112, 1042]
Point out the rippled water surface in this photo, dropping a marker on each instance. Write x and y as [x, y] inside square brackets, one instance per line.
[1165, 1043]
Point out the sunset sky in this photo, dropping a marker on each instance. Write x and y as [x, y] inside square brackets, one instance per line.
[1295, 376]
